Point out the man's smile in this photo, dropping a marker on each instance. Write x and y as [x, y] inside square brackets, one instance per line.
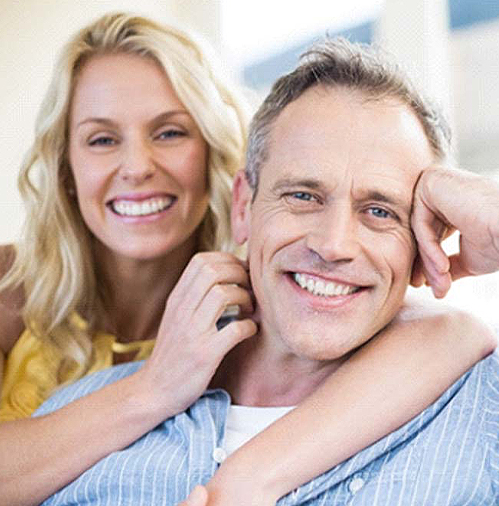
[323, 287]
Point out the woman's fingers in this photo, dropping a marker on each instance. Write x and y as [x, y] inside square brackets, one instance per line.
[218, 299]
[189, 347]
[233, 333]
[203, 272]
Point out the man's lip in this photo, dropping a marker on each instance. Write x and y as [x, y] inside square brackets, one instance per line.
[320, 286]
[323, 299]
[327, 279]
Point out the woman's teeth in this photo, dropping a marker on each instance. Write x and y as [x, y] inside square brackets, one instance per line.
[319, 287]
[143, 208]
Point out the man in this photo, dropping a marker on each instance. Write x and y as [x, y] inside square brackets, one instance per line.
[325, 206]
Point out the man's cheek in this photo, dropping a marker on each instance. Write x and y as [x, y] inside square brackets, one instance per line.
[399, 255]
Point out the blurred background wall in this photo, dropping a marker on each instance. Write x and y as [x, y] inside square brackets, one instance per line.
[451, 47]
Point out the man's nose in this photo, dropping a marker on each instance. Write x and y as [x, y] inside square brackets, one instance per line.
[137, 163]
[334, 236]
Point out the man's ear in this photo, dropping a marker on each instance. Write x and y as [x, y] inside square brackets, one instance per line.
[240, 213]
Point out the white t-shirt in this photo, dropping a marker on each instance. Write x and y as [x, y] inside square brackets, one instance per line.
[244, 422]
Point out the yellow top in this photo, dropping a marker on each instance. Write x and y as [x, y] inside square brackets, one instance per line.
[32, 366]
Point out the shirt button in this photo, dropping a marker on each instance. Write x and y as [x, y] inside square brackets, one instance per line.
[219, 455]
[355, 485]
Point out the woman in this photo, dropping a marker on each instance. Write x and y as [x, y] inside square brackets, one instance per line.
[135, 147]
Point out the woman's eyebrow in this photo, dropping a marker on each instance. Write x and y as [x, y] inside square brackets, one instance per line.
[164, 116]
[95, 119]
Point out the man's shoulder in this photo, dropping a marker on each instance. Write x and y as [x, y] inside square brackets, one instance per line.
[477, 391]
[485, 386]
[87, 385]
[450, 450]
[485, 375]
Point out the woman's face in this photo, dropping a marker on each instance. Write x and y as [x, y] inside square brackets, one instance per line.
[138, 159]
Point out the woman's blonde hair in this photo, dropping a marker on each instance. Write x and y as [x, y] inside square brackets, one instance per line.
[54, 261]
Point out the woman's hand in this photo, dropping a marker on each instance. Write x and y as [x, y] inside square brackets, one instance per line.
[203, 496]
[189, 346]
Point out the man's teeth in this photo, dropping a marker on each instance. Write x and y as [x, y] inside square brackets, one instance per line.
[318, 287]
[133, 208]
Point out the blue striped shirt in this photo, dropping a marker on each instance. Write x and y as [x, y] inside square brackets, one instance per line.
[448, 455]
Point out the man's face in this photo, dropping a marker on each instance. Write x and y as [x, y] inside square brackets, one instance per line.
[329, 239]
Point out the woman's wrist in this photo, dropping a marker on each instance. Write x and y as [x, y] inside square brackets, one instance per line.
[147, 400]
[244, 476]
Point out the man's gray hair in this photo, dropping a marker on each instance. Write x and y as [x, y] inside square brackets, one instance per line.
[340, 63]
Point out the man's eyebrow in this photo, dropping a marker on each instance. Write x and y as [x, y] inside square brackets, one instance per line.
[286, 183]
[160, 118]
[392, 200]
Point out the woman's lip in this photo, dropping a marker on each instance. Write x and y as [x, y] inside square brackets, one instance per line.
[141, 208]
[141, 217]
[135, 197]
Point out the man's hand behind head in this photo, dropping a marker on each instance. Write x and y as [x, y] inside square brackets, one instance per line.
[449, 200]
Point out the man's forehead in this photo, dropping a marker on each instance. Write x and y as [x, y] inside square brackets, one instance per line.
[330, 135]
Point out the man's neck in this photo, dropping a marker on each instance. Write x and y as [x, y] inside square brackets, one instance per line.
[258, 373]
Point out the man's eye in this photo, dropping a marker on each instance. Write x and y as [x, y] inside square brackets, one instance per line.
[303, 196]
[102, 141]
[379, 212]
[302, 200]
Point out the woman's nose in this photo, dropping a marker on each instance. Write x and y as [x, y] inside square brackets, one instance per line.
[137, 164]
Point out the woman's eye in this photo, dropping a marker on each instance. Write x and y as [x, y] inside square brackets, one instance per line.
[171, 133]
[102, 141]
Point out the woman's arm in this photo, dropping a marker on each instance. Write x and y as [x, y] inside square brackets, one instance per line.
[40, 455]
[382, 386]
